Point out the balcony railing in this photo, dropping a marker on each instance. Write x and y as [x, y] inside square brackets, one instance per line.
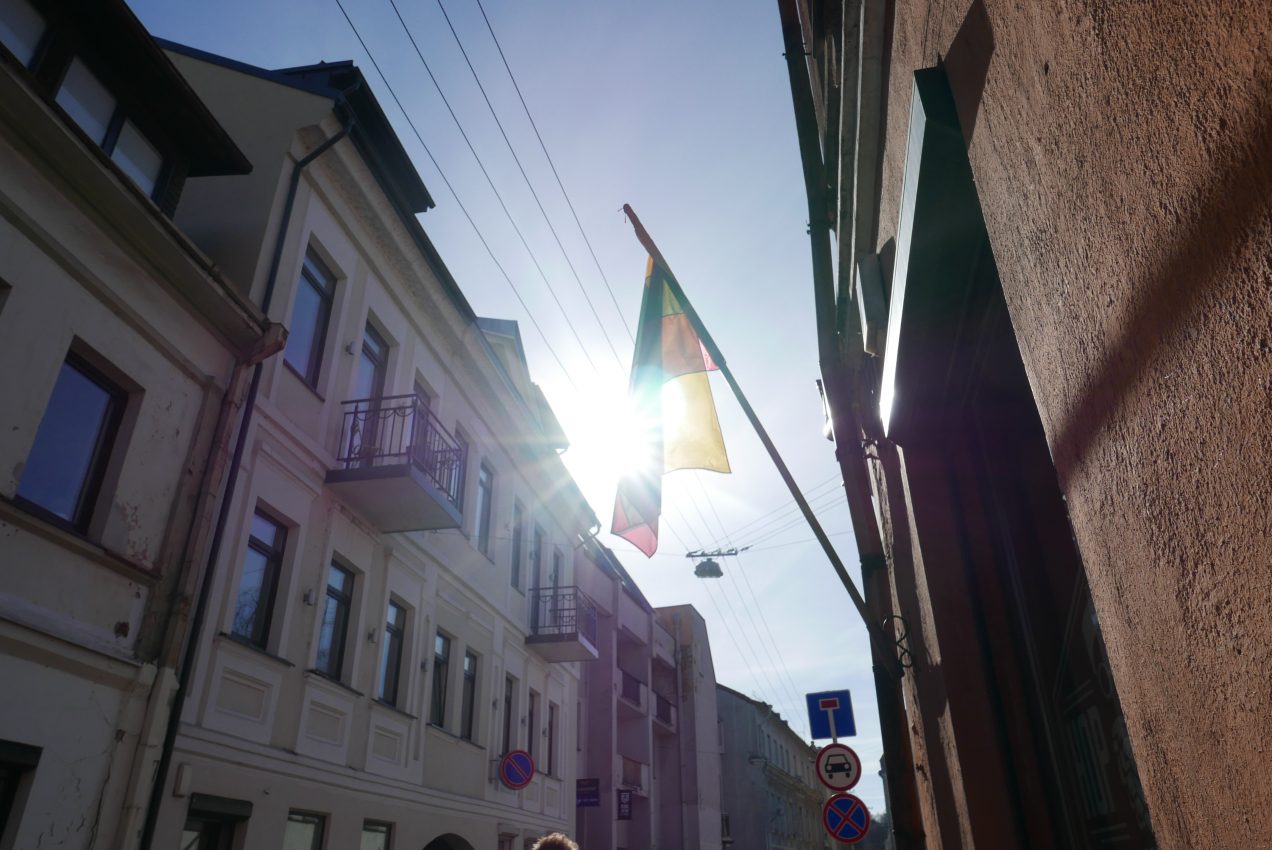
[562, 624]
[397, 465]
[633, 690]
[633, 773]
[400, 429]
[664, 710]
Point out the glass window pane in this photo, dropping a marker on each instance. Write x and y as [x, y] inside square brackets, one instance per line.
[66, 449]
[86, 101]
[307, 323]
[304, 832]
[375, 836]
[249, 610]
[20, 29]
[267, 531]
[139, 159]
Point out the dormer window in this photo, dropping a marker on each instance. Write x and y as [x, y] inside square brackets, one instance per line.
[21, 28]
[90, 105]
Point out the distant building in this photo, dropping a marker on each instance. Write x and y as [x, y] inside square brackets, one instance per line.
[771, 797]
[1040, 234]
[124, 354]
[648, 709]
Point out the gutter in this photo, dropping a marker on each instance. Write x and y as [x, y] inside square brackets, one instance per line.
[195, 635]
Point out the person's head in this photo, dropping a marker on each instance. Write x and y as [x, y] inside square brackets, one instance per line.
[555, 841]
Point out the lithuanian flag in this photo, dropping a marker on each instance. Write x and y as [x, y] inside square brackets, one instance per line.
[670, 393]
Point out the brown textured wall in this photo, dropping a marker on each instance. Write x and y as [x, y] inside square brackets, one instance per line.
[1122, 155]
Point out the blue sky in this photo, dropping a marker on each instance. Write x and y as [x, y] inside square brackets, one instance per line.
[683, 110]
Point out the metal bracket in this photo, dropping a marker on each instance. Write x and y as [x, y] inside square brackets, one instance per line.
[904, 658]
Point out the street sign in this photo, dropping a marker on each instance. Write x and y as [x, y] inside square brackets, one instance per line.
[846, 819]
[516, 769]
[624, 804]
[587, 793]
[830, 715]
[838, 767]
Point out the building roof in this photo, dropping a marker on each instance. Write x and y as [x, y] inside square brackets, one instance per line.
[118, 43]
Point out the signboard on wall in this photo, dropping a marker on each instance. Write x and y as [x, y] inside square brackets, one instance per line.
[587, 793]
[624, 804]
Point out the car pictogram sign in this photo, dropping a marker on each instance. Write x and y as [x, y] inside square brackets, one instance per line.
[838, 767]
[846, 819]
[516, 769]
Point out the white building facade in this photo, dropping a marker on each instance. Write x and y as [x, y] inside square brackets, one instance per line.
[122, 354]
[365, 662]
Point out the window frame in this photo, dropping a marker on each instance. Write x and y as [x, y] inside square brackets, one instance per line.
[40, 41]
[518, 544]
[441, 672]
[104, 446]
[342, 599]
[485, 506]
[273, 555]
[553, 711]
[394, 643]
[315, 273]
[468, 695]
[379, 827]
[532, 703]
[508, 742]
[317, 818]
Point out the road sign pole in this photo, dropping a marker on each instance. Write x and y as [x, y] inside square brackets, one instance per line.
[830, 716]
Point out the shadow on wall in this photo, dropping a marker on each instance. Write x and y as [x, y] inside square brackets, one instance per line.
[967, 66]
[1234, 204]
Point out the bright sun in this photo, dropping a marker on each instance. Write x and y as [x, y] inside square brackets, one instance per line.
[608, 439]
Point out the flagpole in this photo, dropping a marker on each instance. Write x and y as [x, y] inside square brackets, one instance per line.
[874, 629]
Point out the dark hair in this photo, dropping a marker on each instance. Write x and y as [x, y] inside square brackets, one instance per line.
[555, 841]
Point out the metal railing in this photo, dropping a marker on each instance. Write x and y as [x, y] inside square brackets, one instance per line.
[664, 710]
[631, 688]
[398, 429]
[562, 611]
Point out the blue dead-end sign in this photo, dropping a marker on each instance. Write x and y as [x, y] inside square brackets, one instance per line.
[846, 818]
[830, 715]
[516, 769]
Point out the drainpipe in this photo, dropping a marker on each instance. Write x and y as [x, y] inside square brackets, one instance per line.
[844, 380]
[195, 635]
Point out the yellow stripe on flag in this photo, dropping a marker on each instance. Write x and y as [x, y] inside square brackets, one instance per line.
[691, 427]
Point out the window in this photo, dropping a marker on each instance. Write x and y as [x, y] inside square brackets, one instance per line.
[21, 28]
[510, 685]
[311, 313]
[558, 567]
[518, 531]
[441, 667]
[137, 158]
[376, 836]
[17, 763]
[373, 365]
[461, 471]
[485, 498]
[469, 703]
[64, 470]
[90, 104]
[211, 822]
[304, 831]
[335, 622]
[259, 582]
[552, 730]
[530, 727]
[391, 653]
[86, 101]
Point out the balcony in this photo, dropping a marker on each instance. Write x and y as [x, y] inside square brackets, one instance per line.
[664, 713]
[397, 465]
[562, 624]
[634, 774]
[634, 692]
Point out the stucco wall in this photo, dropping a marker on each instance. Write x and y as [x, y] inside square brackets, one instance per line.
[1120, 156]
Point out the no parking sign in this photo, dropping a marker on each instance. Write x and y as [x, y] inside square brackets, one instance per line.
[516, 769]
[846, 819]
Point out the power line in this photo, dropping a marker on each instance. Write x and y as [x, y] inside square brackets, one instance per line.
[455, 195]
[564, 193]
[533, 258]
[530, 186]
[788, 508]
